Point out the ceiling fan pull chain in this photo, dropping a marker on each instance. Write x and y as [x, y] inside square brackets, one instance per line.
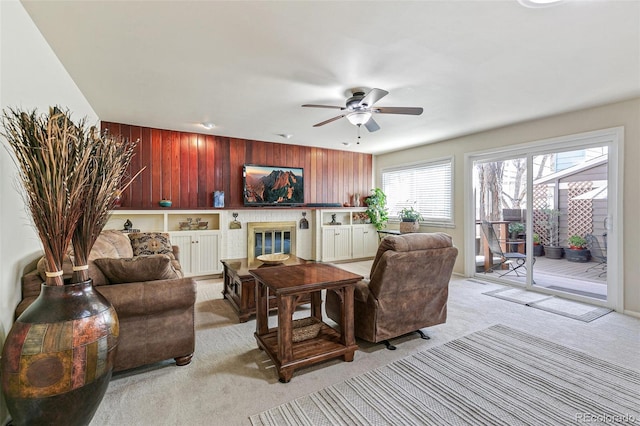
[358, 143]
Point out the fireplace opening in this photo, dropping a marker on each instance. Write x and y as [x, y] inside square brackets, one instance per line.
[272, 242]
[270, 238]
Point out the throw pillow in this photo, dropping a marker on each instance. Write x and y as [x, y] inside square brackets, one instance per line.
[136, 269]
[148, 243]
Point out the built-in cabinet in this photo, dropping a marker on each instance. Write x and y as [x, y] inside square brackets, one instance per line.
[364, 241]
[336, 243]
[345, 235]
[336, 234]
[200, 249]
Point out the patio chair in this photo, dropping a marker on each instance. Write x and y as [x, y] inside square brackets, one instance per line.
[598, 253]
[514, 261]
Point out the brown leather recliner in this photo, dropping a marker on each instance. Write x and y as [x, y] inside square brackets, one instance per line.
[407, 290]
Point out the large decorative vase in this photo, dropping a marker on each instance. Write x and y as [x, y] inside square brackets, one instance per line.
[407, 227]
[58, 357]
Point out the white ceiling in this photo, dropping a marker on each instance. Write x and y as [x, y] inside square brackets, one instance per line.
[247, 66]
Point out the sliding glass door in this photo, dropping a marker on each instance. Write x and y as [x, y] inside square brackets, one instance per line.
[542, 217]
[500, 197]
[570, 215]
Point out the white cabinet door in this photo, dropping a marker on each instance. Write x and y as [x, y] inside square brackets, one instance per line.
[336, 243]
[199, 252]
[184, 240]
[365, 241]
[207, 258]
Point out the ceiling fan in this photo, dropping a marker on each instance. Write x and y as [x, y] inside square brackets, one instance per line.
[359, 109]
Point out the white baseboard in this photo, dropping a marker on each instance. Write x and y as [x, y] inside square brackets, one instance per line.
[631, 313]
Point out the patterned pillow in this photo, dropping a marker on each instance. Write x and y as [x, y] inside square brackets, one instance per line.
[148, 243]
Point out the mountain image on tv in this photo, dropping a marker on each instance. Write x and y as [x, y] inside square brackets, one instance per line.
[272, 185]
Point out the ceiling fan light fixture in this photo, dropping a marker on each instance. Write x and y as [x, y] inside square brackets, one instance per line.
[358, 118]
[534, 4]
[208, 125]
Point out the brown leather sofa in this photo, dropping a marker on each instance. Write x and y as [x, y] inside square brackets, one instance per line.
[156, 312]
[407, 290]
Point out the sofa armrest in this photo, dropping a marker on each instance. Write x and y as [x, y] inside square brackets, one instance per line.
[31, 283]
[150, 297]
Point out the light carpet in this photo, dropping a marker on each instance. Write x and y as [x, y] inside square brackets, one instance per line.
[517, 295]
[497, 376]
[568, 308]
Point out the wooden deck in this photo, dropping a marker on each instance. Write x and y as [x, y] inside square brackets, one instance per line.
[570, 277]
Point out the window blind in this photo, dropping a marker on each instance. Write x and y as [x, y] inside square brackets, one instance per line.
[427, 187]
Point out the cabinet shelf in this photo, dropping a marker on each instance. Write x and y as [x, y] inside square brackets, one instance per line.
[162, 220]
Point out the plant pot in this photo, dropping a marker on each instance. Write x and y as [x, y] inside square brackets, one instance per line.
[553, 252]
[577, 255]
[58, 356]
[408, 227]
[538, 250]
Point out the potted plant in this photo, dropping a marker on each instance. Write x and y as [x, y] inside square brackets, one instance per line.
[377, 208]
[551, 224]
[578, 251]
[409, 220]
[538, 249]
[516, 229]
[70, 175]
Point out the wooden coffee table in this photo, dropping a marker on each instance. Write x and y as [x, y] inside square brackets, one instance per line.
[240, 286]
[289, 284]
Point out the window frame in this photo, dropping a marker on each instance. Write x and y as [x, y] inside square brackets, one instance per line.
[429, 221]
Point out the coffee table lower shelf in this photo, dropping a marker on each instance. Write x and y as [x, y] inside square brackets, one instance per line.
[326, 345]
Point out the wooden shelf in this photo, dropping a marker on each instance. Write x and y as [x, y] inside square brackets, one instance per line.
[325, 346]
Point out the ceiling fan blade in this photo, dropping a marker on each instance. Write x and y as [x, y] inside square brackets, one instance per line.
[372, 97]
[322, 106]
[371, 125]
[328, 121]
[398, 110]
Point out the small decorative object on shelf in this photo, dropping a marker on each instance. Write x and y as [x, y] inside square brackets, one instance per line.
[356, 199]
[333, 220]
[360, 217]
[128, 225]
[304, 223]
[235, 224]
[218, 199]
[165, 203]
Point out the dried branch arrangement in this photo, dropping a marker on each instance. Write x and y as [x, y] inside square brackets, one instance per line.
[70, 175]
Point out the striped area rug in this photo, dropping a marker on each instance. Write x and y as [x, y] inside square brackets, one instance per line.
[498, 376]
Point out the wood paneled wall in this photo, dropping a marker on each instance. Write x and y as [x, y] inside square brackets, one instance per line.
[188, 167]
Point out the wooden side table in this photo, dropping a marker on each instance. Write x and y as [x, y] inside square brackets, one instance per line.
[240, 286]
[289, 284]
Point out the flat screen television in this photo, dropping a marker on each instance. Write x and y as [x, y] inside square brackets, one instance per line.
[273, 186]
